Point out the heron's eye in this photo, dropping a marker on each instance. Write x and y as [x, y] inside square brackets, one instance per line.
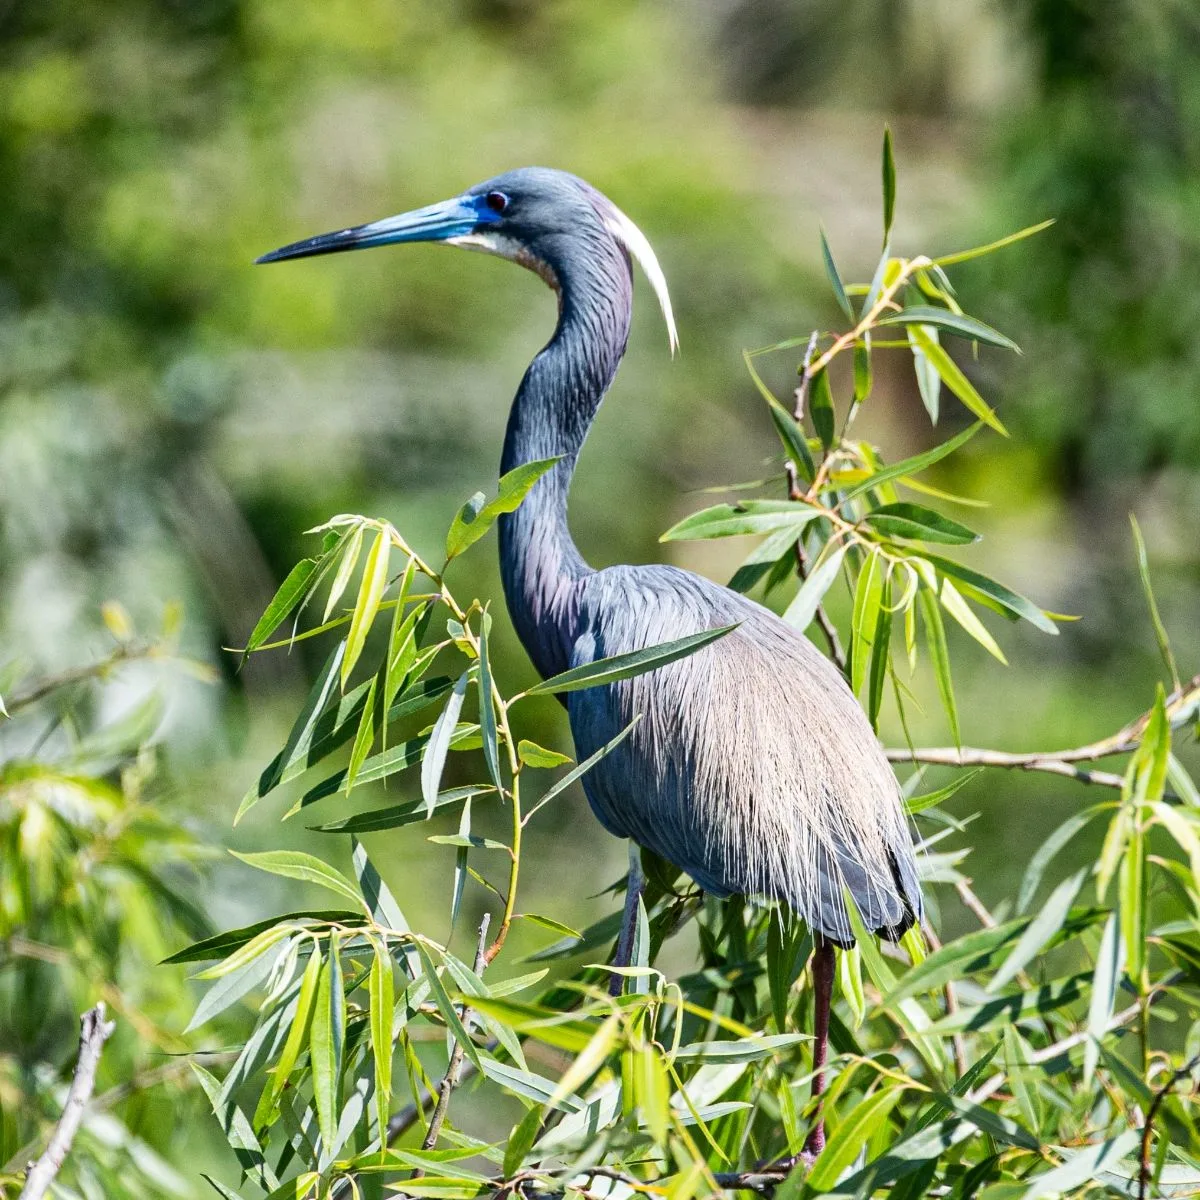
[496, 201]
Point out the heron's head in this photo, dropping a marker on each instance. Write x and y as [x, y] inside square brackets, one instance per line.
[533, 216]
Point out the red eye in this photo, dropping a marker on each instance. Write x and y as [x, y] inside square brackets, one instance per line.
[496, 201]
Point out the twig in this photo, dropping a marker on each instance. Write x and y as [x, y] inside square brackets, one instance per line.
[41, 688]
[451, 1078]
[1182, 706]
[94, 1032]
[985, 1091]
[1148, 1127]
[973, 902]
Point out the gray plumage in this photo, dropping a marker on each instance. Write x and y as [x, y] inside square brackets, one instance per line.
[753, 768]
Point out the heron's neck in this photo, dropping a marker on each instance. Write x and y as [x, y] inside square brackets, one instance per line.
[550, 417]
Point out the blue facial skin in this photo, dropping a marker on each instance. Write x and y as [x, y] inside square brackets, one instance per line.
[458, 217]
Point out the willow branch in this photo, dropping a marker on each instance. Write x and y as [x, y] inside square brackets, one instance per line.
[453, 1071]
[1183, 705]
[1148, 1128]
[94, 1032]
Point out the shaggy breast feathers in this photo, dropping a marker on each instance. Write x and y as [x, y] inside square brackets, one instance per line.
[759, 721]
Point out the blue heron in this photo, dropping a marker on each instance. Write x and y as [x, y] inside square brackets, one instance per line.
[753, 767]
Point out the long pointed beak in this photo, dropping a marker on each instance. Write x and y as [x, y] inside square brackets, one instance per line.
[435, 223]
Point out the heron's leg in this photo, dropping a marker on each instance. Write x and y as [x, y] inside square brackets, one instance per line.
[823, 963]
[633, 893]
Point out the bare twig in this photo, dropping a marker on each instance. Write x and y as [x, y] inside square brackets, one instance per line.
[451, 1079]
[973, 902]
[1148, 1127]
[1183, 704]
[94, 1032]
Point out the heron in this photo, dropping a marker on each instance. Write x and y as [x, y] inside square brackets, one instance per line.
[753, 767]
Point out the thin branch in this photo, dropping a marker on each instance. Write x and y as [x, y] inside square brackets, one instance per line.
[39, 689]
[1148, 1128]
[451, 1079]
[94, 1032]
[1183, 704]
[973, 902]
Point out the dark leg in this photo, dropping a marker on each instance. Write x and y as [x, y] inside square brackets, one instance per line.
[823, 963]
[633, 893]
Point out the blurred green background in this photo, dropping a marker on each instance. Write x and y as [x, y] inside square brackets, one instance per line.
[172, 418]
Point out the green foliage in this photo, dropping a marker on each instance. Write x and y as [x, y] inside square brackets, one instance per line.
[1039, 1054]
[96, 886]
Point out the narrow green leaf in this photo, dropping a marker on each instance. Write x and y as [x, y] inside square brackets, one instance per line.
[835, 280]
[291, 592]
[268, 1106]
[434, 761]
[514, 487]
[410, 812]
[800, 612]
[381, 990]
[792, 435]
[222, 943]
[955, 380]
[820, 408]
[363, 738]
[533, 755]
[301, 736]
[915, 521]
[625, 666]
[521, 1139]
[295, 864]
[1043, 927]
[738, 520]
[915, 464]
[951, 322]
[370, 595]
[917, 804]
[349, 560]
[237, 1130]
[948, 260]
[889, 184]
[868, 595]
[962, 612]
[1003, 596]
[487, 709]
[929, 382]
[863, 373]
[1081, 1166]
[446, 1007]
[1160, 630]
[852, 1133]
[326, 1042]
[231, 988]
[880, 652]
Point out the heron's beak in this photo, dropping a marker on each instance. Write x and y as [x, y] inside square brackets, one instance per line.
[436, 223]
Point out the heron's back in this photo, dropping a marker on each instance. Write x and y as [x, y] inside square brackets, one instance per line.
[753, 767]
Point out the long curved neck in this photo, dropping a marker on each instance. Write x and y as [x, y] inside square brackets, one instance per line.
[553, 410]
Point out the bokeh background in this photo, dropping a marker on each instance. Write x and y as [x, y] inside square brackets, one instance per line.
[172, 418]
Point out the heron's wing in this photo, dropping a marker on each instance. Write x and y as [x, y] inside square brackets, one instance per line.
[751, 765]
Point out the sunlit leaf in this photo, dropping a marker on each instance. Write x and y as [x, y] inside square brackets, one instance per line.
[1044, 926]
[471, 524]
[915, 521]
[326, 1043]
[851, 1135]
[370, 595]
[803, 608]
[736, 520]
[381, 990]
[291, 592]
[953, 377]
[1160, 630]
[352, 548]
[915, 464]
[295, 864]
[434, 760]
[947, 260]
